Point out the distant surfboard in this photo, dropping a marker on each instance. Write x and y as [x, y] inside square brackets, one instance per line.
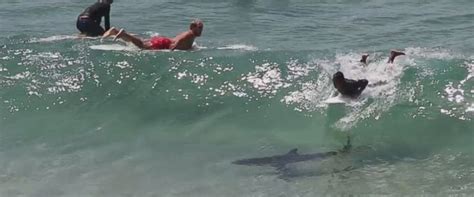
[60, 38]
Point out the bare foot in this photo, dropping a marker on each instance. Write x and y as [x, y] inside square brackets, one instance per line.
[393, 55]
[112, 31]
[364, 58]
[119, 33]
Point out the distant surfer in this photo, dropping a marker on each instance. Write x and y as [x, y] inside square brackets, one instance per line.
[393, 55]
[363, 59]
[183, 41]
[348, 87]
[391, 58]
[88, 22]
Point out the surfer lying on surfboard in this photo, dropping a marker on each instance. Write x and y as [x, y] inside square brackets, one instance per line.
[183, 41]
[352, 88]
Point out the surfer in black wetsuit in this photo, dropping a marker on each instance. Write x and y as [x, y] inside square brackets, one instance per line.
[88, 22]
[348, 87]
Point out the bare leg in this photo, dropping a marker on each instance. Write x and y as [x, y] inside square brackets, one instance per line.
[393, 55]
[111, 32]
[364, 58]
[126, 37]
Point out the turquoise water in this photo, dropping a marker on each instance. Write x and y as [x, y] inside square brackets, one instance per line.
[80, 121]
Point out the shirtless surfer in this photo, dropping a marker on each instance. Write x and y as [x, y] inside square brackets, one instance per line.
[183, 41]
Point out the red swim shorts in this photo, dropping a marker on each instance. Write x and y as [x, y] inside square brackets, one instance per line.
[160, 42]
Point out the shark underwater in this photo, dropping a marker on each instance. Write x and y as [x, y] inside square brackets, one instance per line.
[280, 161]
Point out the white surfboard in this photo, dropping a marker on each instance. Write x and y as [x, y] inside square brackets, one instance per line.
[113, 47]
[119, 47]
[339, 99]
[241, 47]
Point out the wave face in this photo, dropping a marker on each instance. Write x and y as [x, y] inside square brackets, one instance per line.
[81, 117]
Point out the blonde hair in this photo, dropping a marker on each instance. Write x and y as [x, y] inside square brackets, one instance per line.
[195, 23]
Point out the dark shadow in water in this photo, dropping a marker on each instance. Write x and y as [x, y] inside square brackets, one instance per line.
[285, 170]
[346, 162]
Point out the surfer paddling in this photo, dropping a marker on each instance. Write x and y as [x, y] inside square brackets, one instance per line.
[183, 41]
[353, 88]
[88, 22]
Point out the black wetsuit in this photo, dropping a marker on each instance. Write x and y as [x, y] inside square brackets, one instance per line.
[351, 87]
[89, 20]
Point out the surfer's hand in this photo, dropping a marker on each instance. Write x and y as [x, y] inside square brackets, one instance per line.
[173, 47]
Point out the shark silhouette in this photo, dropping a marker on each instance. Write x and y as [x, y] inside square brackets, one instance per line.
[280, 161]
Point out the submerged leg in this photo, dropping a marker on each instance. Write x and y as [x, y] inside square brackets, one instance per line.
[393, 55]
[348, 145]
[364, 58]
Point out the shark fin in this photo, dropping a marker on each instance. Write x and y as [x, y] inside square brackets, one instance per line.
[293, 152]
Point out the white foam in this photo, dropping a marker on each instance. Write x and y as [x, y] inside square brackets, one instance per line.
[240, 94]
[123, 65]
[470, 69]
[297, 70]
[267, 78]
[454, 94]
[471, 108]
[459, 95]
[310, 95]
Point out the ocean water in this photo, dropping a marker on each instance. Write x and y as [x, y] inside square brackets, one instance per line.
[84, 117]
